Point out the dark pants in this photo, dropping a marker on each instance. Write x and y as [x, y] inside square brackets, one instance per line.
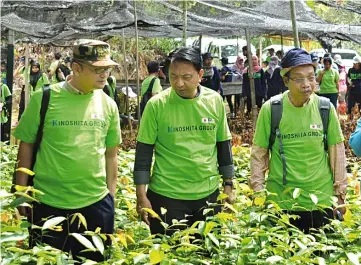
[21, 103]
[5, 131]
[191, 210]
[237, 102]
[259, 102]
[352, 100]
[230, 103]
[99, 214]
[332, 97]
[311, 219]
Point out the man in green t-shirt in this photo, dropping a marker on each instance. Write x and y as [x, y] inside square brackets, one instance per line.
[313, 175]
[187, 127]
[76, 165]
[5, 103]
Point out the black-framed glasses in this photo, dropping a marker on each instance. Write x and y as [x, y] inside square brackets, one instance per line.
[98, 70]
[300, 80]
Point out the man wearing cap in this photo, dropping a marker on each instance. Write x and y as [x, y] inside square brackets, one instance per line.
[76, 165]
[151, 85]
[354, 79]
[317, 174]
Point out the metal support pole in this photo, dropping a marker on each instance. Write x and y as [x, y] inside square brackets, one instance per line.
[125, 65]
[251, 79]
[200, 43]
[137, 57]
[282, 49]
[9, 76]
[237, 47]
[184, 23]
[260, 50]
[294, 24]
[26, 75]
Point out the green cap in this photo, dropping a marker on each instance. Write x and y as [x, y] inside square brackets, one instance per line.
[93, 52]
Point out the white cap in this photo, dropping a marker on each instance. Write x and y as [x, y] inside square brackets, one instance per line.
[357, 59]
[131, 94]
[337, 57]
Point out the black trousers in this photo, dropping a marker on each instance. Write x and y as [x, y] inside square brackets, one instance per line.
[332, 97]
[259, 103]
[352, 100]
[311, 219]
[191, 210]
[99, 214]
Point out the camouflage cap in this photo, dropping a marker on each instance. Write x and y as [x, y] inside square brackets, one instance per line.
[93, 52]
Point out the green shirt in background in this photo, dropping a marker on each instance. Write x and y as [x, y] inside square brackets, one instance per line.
[156, 87]
[329, 81]
[43, 80]
[70, 165]
[307, 162]
[5, 92]
[185, 133]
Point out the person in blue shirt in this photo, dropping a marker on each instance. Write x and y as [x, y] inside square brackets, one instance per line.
[211, 77]
[355, 139]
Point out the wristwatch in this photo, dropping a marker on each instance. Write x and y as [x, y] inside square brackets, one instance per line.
[228, 183]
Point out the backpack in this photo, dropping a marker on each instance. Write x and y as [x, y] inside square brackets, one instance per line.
[147, 95]
[39, 135]
[276, 116]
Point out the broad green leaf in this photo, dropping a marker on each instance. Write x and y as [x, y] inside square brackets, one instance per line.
[12, 237]
[139, 258]
[156, 256]
[53, 222]
[123, 239]
[321, 261]
[259, 201]
[296, 193]
[214, 239]
[153, 213]
[82, 220]
[209, 227]
[353, 258]
[83, 240]
[4, 193]
[222, 196]
[98, 243]
[26, 171]
[274, 259]
[314, 198]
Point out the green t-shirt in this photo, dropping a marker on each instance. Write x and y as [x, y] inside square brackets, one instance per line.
[5, 92]
[329, 81]
[156, 87]
[70, 166]
[43, 80]
[307, 162]
[185, 133]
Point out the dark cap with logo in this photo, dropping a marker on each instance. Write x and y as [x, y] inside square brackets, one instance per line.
[296, 57]
[93, 52]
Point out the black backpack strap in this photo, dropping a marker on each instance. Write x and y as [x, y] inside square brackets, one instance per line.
[276, 116]
[151, 84]
[324, 107]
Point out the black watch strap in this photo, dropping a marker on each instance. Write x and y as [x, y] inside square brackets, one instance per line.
[228, 183]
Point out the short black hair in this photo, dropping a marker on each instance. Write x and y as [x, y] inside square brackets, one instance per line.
[244, 48]
[327, 59]
[224, 60]
[190, 54]
[153, 67]
[57, 55]
[266, 62]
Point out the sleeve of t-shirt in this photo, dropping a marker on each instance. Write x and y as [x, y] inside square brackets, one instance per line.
[334, 134]
[45, 79]
[114, 136]
[6, 91]
[263, 127]
[223, 133]
[157, 86]
[337, 76]
[148, 129]
[27, 127]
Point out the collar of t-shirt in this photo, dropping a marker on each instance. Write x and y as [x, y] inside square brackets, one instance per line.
[72, 89]
[198, 93]
[304, 104]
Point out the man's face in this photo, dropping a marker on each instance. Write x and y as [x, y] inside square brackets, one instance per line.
[271, 52]
[357, 66]
[91, 77]
[244, 51]
[327, 65]
[184, 78]
[301, 82]
[207, 62]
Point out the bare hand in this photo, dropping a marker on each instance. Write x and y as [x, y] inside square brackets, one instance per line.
[341, 209]
[228, 190]
[143, 202]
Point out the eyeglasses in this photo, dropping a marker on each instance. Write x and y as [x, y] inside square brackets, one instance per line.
[310, 79]
[97, 70]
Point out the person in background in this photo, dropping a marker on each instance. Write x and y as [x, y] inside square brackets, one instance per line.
[211, 77]
[271, 52]
[5, 103]
[53, 66]
[3, 72]
[279, 54]
[124, 118]
[238, 66]
[354, 80]
[342, 85]
[265, 65]
[259, 82]
[274, 81]
[355, 139]
[226, 77]
[37, 79]
[328, 79]
[63, 70]
[186, 127]
[245, 52]
[308, 164]
[151, 84]
[110, 89]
